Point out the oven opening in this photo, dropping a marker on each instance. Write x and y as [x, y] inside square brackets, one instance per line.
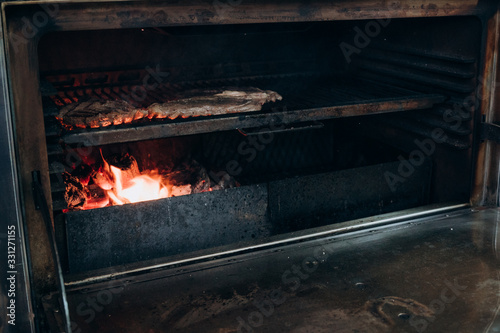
[166, 141]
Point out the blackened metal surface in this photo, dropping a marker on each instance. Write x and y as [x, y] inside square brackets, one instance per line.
[412, 64]
[310, 201]
[448, 66]
[490, 131]
[271, 155]
[122, 234]
[433, 274]
[418, 127]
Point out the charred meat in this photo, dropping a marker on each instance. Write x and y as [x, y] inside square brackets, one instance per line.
[211, 102]
[96, 113]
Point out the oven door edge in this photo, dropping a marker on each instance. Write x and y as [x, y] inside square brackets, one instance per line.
[18, 313]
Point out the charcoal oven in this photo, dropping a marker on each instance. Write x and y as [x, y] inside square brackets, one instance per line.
[363, 198]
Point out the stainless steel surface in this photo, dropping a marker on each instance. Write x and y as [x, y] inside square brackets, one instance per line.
[11, 215]
[433, 274]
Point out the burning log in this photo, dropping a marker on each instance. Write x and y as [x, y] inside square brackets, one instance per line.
[76, 194]
[118, 180]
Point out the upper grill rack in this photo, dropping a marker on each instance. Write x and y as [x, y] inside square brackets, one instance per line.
[323, 98]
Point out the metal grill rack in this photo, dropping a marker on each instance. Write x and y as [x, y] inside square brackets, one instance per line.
[323, 98]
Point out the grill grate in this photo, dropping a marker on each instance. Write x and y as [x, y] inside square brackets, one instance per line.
[323, 98]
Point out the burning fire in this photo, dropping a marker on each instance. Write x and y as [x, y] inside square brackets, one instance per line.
[98, 182]
[130, 185]
[137, 189]
[123, 186]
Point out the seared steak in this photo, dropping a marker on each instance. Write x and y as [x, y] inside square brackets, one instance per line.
[96, 113]
[99, 113]
[208, 102]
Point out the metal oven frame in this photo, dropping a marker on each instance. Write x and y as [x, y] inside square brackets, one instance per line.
[22, 132]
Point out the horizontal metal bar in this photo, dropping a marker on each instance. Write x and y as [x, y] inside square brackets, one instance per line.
[293, 128]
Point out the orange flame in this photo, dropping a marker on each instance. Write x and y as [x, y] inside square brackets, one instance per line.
[140, 188]
[126, 186]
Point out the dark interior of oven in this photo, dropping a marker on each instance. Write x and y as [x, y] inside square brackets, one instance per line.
[375, 118]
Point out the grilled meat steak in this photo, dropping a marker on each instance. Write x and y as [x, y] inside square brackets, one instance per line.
[207, 102]
[96, 113]
[99, 113]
